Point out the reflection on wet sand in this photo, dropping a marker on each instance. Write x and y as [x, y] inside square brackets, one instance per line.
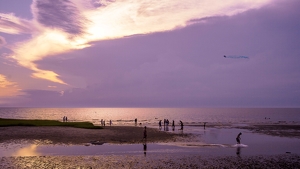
[29, 150]
[238, 151]
[145, 148]
[152, 161]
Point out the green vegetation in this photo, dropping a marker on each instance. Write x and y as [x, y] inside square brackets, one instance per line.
[19, 122]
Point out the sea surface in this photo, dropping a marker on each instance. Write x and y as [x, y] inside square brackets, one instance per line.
[151, 116]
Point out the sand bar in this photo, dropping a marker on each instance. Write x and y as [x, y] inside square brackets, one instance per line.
[70, 135]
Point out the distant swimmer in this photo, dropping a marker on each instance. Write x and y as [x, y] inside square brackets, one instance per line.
[238, 138]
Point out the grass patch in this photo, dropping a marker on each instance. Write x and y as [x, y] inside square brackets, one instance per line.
[19, 122]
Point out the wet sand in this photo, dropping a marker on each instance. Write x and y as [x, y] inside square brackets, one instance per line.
[281, 130]
[127, 134]
[153, 161]
[70, 135]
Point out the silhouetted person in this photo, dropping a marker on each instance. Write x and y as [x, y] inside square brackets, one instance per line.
[173, 125]
[181, 124]
[135, 121]
[110, 122]
[145, 133]
[204, 124]
[159, 124]
[238, 138]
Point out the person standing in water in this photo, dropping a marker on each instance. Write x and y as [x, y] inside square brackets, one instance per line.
[159, 124]
[181, 125]
[173, 125]
[238, 138]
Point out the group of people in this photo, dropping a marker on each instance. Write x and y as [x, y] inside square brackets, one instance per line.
[166, 125]
[102, 122]
[65, 119]
[136, 121]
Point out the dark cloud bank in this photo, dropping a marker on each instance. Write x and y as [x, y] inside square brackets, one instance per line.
[61, 14]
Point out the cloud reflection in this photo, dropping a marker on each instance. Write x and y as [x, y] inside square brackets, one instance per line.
[30, 150]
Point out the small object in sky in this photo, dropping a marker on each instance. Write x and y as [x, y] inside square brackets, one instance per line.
[236, 57]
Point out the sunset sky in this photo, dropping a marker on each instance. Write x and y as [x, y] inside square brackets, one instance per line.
[147, 53]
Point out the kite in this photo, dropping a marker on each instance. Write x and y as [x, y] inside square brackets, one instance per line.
[236, 57]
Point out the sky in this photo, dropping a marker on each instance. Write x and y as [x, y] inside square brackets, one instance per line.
[145, 53]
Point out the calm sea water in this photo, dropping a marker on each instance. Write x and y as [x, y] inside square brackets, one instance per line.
[151, 116]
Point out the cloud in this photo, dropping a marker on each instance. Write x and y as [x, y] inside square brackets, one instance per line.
[13, 25]
[124, 18]
[47, 43]
[2, 41]
[101, 3]
[8, 88]
[59, 14]
[65, 25]
[4, 82]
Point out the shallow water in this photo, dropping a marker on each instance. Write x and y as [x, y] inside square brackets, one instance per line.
[151, 116]
[207, 142]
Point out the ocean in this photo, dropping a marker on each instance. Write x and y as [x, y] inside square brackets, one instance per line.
[151, 116]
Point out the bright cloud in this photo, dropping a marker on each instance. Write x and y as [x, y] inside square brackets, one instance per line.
[13, 25]
[7, 88]
[60, 26]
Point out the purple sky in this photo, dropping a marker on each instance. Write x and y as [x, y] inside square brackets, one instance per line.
[136, 53]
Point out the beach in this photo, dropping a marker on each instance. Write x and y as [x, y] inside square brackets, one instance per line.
[158, 161]
[133, 135]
